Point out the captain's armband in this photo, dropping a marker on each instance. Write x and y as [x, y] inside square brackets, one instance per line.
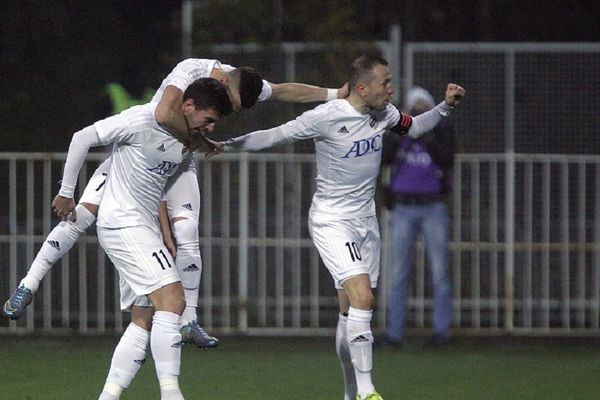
[403, 125]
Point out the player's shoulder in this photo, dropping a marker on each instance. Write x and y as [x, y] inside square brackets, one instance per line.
[390, 113]
[140, 117]
[332, 106]
[390, 110]
[324, 111]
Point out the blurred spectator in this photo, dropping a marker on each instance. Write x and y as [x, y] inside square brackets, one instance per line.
[420, 184]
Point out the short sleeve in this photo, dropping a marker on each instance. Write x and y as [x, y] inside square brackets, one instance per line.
[266, 92]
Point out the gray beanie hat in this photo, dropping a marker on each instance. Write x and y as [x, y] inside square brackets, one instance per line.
[416, 94]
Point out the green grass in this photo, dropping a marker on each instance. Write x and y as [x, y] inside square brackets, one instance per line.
[37, 368]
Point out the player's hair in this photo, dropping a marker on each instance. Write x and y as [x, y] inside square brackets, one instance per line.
[361, 69]
[250, 85]
[209, 93]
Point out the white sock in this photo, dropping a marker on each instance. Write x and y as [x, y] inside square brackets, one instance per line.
[110, 392]
[165, 342]
[169, 390]
[360, 344]
[189, 265]
[189, 314]
[60, 240]
[128, 358]
[341, 348]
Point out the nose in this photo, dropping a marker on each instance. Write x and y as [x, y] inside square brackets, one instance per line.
[391, 89]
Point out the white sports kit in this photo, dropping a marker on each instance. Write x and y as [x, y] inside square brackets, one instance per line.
[145, 156]
[342, 217]
[182, 194]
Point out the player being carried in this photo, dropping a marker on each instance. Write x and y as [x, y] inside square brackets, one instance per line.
[342, 220]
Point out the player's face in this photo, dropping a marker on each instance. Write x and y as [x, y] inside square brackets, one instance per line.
[380, 89]
[201, 122]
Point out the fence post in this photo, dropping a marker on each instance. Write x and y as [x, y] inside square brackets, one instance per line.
[243, 244]
[509, 217]
[509, 255]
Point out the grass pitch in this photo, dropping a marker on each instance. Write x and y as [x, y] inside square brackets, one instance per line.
[47, 368]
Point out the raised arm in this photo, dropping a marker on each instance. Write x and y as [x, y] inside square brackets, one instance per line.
[168, 111]
[421, 124]
[302, 93]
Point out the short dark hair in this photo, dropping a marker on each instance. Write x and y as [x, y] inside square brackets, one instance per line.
[250, 86]
[209, 93]
[362, 66]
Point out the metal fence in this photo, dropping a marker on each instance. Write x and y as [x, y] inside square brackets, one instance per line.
[522, 97]
[525, 207]
[525, 259]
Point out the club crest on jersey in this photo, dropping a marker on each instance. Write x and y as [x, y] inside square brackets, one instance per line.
[164, 168]
[161, 147]
[364, 146]
[373, 122]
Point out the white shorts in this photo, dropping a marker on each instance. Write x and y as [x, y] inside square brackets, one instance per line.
[140, 256]
[182, 193]
[348, 247]
[95, 187]
[129, 298]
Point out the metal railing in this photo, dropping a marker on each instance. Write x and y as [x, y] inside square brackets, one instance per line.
[525, 253]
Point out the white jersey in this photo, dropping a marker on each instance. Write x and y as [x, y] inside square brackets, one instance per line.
[188, 70]
[348, 145]
[144, 156]
[348, 159]
[348, 148]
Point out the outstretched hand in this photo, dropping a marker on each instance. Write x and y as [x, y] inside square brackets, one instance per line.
[63, 206]
[454, 94]
[216, 148]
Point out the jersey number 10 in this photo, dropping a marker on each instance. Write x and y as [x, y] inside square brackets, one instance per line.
[354, 251]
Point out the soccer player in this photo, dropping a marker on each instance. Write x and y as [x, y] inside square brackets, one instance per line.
[245, 87]
[342, 219]
[144, 156]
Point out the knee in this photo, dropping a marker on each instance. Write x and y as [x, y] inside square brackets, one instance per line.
[142, 317]
[175, 304]
[169, 298]
[363, 300]
[179, 305]
[185, 231]
[85, 219]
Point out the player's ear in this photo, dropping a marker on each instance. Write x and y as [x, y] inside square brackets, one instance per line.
[188, 106]
[361, 89]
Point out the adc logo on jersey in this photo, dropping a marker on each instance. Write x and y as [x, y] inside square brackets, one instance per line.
[361, 147]
[164, 168]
